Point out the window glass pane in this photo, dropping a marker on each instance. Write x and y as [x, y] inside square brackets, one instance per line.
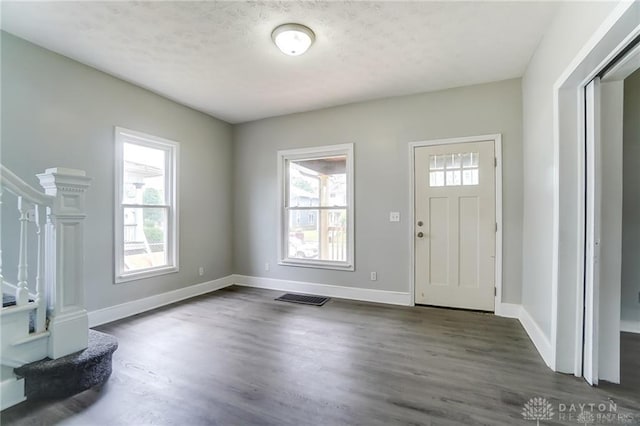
[470, 177]
[453, 161]
[333, 235]
[318, 182]
[145, 238]
[436, 162]
[470, 159]
[436, 178]
[303, 234]
[318, 234]
[303, 186]
[144, 175]
[453, 178]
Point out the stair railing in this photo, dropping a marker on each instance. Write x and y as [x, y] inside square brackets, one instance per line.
[58, 217]
[31, 206]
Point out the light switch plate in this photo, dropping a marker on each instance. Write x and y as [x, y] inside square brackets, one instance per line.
[394, 217]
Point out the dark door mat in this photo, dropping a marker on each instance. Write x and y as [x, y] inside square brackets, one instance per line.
[304, 299]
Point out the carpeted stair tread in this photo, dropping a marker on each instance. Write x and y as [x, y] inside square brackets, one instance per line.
[73, 373]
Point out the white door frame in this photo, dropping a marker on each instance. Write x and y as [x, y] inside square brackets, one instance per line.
[603, 260]
[593, 217]
[567, 296]
[497, 142]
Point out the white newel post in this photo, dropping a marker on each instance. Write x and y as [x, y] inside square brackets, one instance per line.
[64, 261]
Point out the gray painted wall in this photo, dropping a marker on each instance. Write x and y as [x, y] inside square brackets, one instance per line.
[631, 200]
[57, 112]
[381, 131]
[570, 30]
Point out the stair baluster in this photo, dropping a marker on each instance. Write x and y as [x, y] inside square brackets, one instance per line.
[22, 292]
[41, 314]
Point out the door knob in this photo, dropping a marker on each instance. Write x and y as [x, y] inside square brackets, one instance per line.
[420, 234]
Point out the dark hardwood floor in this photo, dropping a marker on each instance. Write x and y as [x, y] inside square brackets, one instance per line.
[630, 362]
[237, 357]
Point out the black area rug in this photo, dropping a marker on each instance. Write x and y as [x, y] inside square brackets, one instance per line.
[304, 299]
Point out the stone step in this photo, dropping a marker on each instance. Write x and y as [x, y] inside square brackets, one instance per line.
[70, 374]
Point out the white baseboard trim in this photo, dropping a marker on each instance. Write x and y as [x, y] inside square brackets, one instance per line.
[508, 310]
[540, 341]
[113, 313]
[537, 336]
[630, 326]
[352, 293]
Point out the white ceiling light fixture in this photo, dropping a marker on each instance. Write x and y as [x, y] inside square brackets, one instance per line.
[293, 39]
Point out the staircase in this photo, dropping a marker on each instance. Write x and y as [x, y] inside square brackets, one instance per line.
[43, 315]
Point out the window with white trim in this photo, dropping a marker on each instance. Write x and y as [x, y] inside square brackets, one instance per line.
[316, 207]
[146, 225]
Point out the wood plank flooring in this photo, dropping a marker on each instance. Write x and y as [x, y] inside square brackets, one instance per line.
[237, 357]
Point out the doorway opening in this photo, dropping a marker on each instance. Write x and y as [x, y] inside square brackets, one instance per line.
[612, 224]
[567, 298]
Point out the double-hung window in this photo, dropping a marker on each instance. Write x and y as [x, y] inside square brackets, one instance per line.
[316, 207]
[146, 223]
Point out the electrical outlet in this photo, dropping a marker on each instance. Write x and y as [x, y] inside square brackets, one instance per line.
[201, 271]
[374, 276]
[267, 266]
[394, 217]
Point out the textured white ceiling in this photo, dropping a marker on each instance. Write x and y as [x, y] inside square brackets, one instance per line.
[218, 57]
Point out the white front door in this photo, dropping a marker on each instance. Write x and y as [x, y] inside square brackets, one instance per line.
[455, 225]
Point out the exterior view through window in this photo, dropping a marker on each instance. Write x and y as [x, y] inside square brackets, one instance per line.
[146, 232]
[317, 210]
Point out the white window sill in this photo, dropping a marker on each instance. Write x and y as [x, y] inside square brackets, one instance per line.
[342, 266]
[146, 273]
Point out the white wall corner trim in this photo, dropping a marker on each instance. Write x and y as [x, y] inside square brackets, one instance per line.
[509, 310]
[537, 336]
[341, 292]
[113, 313]
[630, 326]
